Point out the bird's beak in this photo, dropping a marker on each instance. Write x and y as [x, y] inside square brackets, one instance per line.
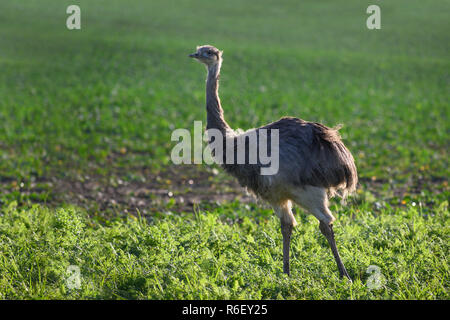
[193, 55]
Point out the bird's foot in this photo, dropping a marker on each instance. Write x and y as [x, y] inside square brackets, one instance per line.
[344, 273]
[286, 270]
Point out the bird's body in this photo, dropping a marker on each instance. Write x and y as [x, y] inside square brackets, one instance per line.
[314, 164]
[312, 155]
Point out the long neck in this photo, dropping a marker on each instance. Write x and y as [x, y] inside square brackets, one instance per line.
[215, 119]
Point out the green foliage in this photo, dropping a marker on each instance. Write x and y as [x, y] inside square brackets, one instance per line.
[71, 99]
[75, 103]
[207, 257]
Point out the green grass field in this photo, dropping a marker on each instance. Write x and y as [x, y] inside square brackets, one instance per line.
[87, 115]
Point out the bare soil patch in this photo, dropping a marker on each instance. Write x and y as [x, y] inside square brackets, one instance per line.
[175, 189]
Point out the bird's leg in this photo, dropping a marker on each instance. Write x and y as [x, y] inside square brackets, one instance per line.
[286, 231]
[327, 231]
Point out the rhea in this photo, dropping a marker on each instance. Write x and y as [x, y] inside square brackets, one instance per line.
[314, 164]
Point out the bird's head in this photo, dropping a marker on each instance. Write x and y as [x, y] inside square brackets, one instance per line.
[207, 54]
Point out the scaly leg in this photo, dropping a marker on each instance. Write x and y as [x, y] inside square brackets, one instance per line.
[286, 230]
[327, 231]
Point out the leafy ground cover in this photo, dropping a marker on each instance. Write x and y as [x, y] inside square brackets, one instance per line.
[85, 172]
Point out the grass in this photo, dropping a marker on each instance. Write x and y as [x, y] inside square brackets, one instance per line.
[208, 257]
[98, 106]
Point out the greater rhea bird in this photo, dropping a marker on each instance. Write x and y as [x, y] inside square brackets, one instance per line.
[314, 164]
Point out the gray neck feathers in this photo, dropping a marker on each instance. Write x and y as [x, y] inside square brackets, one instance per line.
[215, 119]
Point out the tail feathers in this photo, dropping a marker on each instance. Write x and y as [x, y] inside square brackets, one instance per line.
[335, 167]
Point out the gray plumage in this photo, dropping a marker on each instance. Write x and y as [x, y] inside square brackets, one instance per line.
[314, 163]
[312, 154]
